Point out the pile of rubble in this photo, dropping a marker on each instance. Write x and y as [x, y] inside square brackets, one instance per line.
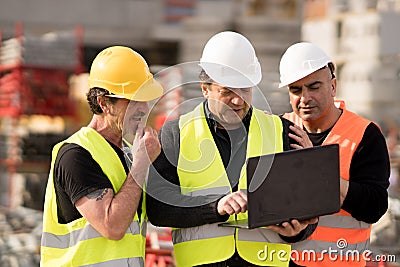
[20, 232]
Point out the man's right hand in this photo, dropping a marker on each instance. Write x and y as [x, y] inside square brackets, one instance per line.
[146, 146]
[145, 149]
[233, 203]
[300, 136]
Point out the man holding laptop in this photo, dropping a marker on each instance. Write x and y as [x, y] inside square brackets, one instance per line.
[199, 179]
[309, 75]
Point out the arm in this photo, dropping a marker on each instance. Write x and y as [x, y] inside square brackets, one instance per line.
[165, 204]
[367, 198]
[111, 214]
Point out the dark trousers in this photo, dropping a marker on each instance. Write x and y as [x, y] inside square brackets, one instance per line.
[234, 261]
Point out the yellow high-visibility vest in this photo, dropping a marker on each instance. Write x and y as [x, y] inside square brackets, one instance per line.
[77, 243]
[201, 172]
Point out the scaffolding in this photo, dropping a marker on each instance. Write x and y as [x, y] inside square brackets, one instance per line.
[34, 73]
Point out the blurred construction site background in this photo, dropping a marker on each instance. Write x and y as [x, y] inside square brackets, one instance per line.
[47, 47]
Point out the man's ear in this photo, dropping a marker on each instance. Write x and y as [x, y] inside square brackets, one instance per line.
[204, 89]
[333, 84]
[102, 103]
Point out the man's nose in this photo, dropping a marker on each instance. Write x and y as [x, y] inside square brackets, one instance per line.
[144, 107]
[237, 99]
[305, 96]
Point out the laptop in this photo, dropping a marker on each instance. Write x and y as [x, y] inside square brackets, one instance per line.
[297, 184]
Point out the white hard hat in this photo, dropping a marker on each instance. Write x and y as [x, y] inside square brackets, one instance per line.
[230, 60]
[300, 60]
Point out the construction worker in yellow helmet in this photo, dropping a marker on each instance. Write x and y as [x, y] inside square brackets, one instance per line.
[199, 179]
[93, 211]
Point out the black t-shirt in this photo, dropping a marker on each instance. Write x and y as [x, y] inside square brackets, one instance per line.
[367, 197]
[76, 174]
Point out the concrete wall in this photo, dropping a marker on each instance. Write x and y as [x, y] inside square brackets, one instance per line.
[104, 22]
[365, 47]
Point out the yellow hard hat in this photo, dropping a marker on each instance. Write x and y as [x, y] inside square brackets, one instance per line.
[124, 73]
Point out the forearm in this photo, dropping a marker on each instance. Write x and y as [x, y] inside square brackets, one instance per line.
[303, 235]
[173, 215]
[124, 205]
[111, 214]
[366, 202]
[367, 198]
[166, 206]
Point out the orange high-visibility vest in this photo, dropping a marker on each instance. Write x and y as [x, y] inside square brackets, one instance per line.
[339, 239]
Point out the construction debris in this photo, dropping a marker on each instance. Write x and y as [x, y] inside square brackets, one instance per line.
[20, 232]
[52, 50]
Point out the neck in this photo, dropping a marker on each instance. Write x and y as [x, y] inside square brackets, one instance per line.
[100, 125]
[323, 123]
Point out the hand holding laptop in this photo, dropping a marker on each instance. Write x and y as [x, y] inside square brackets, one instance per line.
[292, 228]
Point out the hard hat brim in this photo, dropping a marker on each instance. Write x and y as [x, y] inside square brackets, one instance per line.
[323, 62]
[150, 90]
[299, 61]
[229, 77]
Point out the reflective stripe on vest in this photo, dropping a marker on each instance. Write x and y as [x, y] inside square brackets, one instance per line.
[339, 233]
[120, 262]
[73, 238]
[75, 243]
[222, 190]
[201, 172]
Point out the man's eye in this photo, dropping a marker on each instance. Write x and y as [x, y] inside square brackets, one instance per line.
[295, 91]
[225, 92]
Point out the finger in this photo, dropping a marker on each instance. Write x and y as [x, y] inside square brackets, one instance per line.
[139, 131]
[296, 129]
[155, 132]
[243, 195]
[297, 226]
[296, 146]
[303, 140]
[287, 226]
[235, 206]
[148, 130]
[287, 229]
[295, 138]
[228, 209]
[299, 139]
[310, 221]
[240, 199]
[275, 228]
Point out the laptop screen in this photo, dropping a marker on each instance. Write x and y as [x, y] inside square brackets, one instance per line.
[297, 184]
